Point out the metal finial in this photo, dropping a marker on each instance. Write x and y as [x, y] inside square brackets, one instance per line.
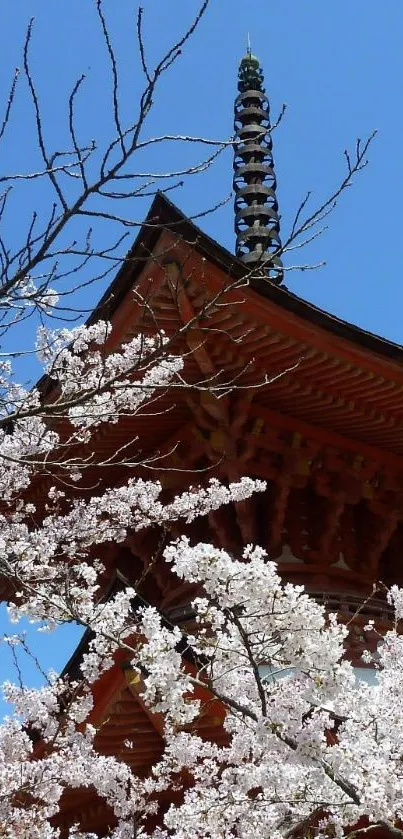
[248, 46]
[257, 224]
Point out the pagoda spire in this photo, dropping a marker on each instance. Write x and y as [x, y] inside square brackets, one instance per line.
[257, 224]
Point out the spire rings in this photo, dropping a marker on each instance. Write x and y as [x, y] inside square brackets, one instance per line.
[257, 224]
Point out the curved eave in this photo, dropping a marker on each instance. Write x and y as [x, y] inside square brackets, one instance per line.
[165, 215]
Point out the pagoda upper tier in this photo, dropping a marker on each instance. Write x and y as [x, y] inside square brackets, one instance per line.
[308, 402]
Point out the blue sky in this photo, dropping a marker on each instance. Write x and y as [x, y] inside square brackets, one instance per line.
[339, 68]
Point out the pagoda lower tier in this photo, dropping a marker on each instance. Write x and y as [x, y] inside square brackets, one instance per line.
[329, 516]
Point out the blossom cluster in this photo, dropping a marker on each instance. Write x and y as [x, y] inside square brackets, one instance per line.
[50, 563]
[305, 744]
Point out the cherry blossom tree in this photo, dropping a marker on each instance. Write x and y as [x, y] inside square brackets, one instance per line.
[307, 748]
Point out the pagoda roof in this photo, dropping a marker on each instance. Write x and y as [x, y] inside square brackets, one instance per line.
[164, 215]
[318, 414]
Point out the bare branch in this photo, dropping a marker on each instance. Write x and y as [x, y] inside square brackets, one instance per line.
[38, 118]
[353, 167]
[115, 79]
[141, 45]
[10, 101]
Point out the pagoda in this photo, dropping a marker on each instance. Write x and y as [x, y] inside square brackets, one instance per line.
[318, 416]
